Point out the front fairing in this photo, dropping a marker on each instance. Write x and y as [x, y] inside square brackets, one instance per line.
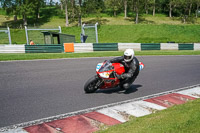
[107, 66]
[105, 72]
[105, 69]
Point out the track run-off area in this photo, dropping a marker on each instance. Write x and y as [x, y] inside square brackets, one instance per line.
[32, 90]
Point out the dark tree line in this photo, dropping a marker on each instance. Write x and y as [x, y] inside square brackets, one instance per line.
[23, 8]
[75, 9]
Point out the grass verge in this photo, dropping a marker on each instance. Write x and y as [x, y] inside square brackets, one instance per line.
[141, 33]
[33, 56]
[177, 119]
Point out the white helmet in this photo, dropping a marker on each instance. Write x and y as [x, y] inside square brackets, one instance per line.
[128, 55]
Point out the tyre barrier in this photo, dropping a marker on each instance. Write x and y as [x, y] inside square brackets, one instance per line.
[90, 47]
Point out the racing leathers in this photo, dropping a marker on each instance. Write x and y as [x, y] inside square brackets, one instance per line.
[131, 71]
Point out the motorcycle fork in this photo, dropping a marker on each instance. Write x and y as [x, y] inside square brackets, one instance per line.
[99, 82]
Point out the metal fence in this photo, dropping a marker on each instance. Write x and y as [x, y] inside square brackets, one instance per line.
[91, 32]
[39, 35]
[7, 31]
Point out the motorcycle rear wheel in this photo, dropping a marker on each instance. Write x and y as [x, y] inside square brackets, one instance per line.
[90, 85]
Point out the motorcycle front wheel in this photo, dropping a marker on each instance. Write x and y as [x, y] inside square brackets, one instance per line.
[91, 85]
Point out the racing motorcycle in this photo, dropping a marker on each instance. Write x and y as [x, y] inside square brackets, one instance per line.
[106, 76]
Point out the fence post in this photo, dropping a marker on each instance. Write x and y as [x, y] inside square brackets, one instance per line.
[60, 29]
[9, 36]
[26, 35]
[96, 32]
[83, 32]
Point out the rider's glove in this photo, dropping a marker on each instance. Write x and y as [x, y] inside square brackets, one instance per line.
[126, 75]
[118, 76]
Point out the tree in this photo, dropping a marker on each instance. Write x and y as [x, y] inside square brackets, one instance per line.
[8, 5]
[80, 13]
[23, 7]
[197, 7]
[152, 4]
[190, 6]
[114, 5]
[146, 6]
[66, 14]
[92, 7]
[125, 8]
[73, 8]
[61, 4]
[37, 5]
[89, 6]
[172, 5]
[154, 7]
[136, 7]
[137, 11]
[51, 2]
[187, 7]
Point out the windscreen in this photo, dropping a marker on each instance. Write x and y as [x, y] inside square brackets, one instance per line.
[106, 67]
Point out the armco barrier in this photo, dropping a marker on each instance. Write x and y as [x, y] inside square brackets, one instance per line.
[12, 49]
[186, 47]
[123, 46]
[196, 46]
[150, 46]
[44, 48]
[90, 47]
[83, 47]
[105, 46]
[169, 46]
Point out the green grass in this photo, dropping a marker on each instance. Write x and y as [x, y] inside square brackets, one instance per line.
[4, 37]
[18, 36]
[178, 119]
[141, 33]
[149, 33]
[157, 29]
[33, 56]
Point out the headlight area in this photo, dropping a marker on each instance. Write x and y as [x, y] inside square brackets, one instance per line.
[104, 74]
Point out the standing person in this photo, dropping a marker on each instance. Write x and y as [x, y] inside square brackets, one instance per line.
[131, 65]
[31, 42]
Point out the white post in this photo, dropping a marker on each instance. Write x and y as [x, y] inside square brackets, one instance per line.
[26, 35]
[96, 32]
[59, 29]
[83, 32]
[9, 36]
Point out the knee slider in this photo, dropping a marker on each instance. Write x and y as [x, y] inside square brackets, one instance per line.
[126, 86]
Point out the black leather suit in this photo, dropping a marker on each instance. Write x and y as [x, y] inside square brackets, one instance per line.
[131, 71]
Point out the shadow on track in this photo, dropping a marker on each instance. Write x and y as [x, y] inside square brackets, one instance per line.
[132, 89]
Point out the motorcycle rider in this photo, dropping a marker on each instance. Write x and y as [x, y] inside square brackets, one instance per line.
[131, 65]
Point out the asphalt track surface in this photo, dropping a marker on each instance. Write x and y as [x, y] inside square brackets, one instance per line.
[31, 90]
